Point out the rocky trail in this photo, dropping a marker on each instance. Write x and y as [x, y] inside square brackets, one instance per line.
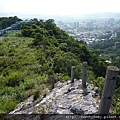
[63, 99]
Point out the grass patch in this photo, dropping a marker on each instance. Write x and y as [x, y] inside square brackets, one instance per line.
[19, 72]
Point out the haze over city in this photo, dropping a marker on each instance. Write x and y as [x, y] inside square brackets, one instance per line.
[24, 8]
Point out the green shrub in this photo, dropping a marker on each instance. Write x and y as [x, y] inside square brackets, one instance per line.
[42, 79]
[66, 78]
[90, 76]
[27, 84]
[61, 77]
[78, 71]
[14, 79]
[117, 108]
[99, 82]
[7, 105]
[7, 90]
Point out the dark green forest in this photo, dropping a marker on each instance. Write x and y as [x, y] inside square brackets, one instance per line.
[8, 21]
[108, 51]
[47, 35]
[38, 50]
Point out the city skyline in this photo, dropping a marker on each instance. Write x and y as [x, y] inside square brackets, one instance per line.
[58, 7]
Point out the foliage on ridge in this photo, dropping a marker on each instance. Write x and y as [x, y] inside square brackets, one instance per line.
[41, 49]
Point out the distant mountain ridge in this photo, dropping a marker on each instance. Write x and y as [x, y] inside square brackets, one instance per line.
[105, 15]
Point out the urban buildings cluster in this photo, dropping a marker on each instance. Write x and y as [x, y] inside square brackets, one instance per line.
[91, 31]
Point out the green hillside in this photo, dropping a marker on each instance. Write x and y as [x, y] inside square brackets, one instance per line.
[41, 49]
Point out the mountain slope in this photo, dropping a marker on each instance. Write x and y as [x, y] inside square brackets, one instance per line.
[39, 50]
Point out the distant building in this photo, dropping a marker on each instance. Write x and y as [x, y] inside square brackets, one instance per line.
[76, 25]
[117, 45]
[114, 35]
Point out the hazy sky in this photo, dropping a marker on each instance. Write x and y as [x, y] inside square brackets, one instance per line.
[59, 7]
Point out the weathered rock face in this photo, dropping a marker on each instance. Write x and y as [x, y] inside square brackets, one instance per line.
[63, 99]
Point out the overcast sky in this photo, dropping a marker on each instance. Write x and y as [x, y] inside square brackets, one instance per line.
[59, 7]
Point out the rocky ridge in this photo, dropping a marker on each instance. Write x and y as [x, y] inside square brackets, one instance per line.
[63, 99]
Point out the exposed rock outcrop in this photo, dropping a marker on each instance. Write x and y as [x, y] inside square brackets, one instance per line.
[63, 99]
